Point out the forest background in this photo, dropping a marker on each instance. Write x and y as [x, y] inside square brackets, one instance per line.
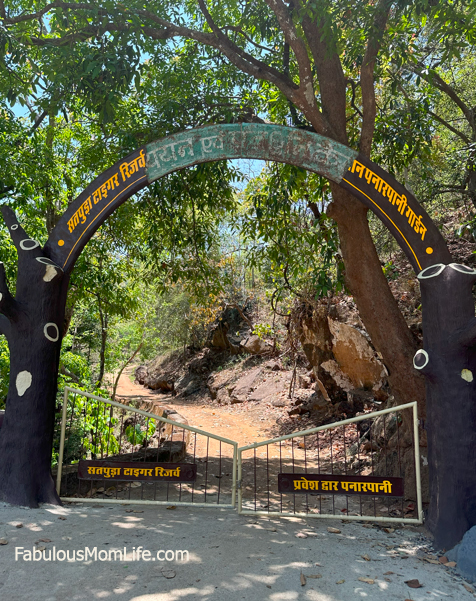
[82, 85]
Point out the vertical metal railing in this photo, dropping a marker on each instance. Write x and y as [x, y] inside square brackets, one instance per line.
[106, 436]
[350, 447]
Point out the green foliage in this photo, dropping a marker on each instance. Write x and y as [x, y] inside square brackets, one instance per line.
[287, 233]
[137, 435]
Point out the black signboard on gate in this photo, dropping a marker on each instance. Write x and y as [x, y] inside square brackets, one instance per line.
[304, 484]
[134, 470]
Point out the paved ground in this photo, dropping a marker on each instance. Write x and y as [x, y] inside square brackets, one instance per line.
[231, 557]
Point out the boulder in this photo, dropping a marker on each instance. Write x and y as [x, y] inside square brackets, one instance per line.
[255, 346]
[219, 337]
[192, 386]
[159, 383]
[141, 374]
[465, 555]
[220, 381]
[356, 357]
[339, 378]
[201, 363]
[245, 385]
[271, 388]
[273, 365]
[314, 334]
[313, 403]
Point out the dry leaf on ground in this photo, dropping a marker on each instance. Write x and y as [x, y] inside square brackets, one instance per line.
[367, 580]
[340, 582]
[443, 559]
[3, 541]
[314, 576]
[333, 530]
[303, 579]
[366, 557]
[413, 583]
[171, 507]
[168, 573]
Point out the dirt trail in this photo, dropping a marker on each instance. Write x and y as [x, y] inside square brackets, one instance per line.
[244, 423]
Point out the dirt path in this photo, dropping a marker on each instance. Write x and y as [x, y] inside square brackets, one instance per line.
[245, 422]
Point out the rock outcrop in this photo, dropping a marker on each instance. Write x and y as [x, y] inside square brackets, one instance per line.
[355, 356]
[256, 346]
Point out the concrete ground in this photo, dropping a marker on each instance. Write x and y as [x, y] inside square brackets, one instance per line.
[231, 557]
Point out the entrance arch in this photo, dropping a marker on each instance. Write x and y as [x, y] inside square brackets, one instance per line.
[391, 202]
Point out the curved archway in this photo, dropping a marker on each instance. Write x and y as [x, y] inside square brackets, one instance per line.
[395, 206]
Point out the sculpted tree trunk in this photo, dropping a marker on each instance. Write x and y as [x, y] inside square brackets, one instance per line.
[32, 324]
[448, 362]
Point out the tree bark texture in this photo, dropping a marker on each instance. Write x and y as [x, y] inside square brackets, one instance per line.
[377, 307]
[32, 323]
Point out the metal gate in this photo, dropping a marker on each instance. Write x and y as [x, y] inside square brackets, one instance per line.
[96, 428]
[357, 447]
[368, 445]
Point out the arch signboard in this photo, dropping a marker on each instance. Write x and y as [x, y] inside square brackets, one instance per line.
[419, 238]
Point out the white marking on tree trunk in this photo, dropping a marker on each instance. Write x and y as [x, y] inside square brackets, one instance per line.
[23, 382]
[45, 331]
[462, 268]
[467, 375]
[425, 460]
[1, 296]
[421, 354]
[29, 244]
[50, 273]
[47, 261]
[14, 226]
[432, 271]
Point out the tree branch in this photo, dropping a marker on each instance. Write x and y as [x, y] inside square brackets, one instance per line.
[367, 76]
[69, 374]
[47, 8]
[248, 39]
[332, 83]
[241, 59]
[441, 84]
[23, 243]
[305, 99]
[116, 382]
[460, 134]
[240, 311]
